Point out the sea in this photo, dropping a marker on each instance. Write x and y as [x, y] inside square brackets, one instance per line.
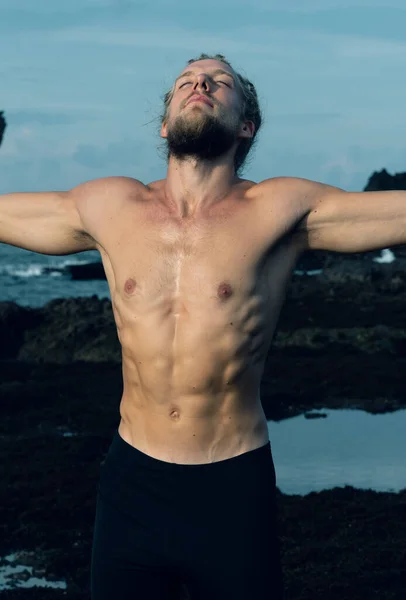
[32, 279]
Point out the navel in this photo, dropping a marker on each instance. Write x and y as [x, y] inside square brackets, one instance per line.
[224, 291]
[174, 413]
[129, 286]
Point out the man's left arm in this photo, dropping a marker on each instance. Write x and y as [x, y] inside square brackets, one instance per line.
[343, 221]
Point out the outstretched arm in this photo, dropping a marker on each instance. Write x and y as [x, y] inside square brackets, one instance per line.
[347, 221]
[46, 222]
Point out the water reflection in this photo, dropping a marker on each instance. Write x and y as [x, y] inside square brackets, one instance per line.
[349, 447]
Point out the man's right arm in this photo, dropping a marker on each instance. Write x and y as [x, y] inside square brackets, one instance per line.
[46, 222]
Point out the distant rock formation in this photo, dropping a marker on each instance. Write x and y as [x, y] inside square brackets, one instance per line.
[3, 126]
[382, 180]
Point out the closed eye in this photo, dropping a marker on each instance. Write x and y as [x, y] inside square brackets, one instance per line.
[189, 83]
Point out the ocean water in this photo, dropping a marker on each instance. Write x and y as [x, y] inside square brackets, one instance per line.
[32, 279]
[347, 447]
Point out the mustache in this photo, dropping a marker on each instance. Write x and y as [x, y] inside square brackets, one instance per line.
[194, 94]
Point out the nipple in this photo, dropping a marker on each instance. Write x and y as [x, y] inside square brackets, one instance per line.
[224, 291]
[129, 286]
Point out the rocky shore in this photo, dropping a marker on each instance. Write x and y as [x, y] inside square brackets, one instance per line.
[341, 342]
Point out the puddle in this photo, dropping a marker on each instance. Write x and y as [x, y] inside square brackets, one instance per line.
[347, 447]
[24, 569]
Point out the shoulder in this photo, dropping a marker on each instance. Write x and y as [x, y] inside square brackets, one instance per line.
[285, 203]
[295, 193]
[106, 194]
[105, 186]
[296, 188]
[99, 200]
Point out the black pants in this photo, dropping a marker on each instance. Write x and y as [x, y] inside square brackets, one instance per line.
[211, 527]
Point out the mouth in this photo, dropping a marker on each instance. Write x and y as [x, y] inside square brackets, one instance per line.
[199, 98]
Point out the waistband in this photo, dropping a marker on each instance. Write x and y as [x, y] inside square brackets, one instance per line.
[129, 457]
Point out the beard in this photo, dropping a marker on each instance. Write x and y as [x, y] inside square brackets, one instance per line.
[201, 135]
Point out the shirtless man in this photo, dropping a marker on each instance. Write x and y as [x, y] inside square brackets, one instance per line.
[197, 265]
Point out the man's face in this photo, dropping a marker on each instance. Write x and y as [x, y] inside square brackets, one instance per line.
[204, 119]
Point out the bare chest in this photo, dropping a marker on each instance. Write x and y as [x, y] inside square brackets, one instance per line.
[154, 261]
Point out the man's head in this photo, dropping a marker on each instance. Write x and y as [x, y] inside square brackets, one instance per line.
[210, 110]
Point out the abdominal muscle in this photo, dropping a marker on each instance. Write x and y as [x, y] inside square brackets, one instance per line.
[193, 405]
[195, 314]
[191, 440]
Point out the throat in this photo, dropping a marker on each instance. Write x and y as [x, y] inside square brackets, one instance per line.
[193, 187]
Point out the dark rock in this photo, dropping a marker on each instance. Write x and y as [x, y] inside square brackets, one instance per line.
[318, 415]
[15, 323]
[73, 329]
[87, 271]
[3, 126]
[60, 332]
[382, 180]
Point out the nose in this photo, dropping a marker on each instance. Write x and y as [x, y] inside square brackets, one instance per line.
[202, 83]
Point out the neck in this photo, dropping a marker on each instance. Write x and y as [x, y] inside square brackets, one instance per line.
[193, 184]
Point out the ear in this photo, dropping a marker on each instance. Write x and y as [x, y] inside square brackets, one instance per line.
[164, 130]
[247, 129]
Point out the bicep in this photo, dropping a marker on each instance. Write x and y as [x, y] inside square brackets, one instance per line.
[43, 222]
[355, 221]
[305, 200]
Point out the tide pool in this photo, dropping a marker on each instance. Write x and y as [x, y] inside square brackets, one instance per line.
[348, 447]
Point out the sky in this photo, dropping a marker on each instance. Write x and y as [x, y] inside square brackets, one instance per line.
[82, 85]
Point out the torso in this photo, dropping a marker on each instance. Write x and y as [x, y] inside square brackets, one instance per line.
[196, 301]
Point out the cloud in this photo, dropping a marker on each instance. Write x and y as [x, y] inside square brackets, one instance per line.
[17, 17]
[115, 154]
[269, 42]
[156, 38]
[81, 74]
[361, 47]
[291, 5]
[303, 118]
[348, 167]
[21, 117]
[323, 5]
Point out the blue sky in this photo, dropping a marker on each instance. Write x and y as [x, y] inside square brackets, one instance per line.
[82, 84]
